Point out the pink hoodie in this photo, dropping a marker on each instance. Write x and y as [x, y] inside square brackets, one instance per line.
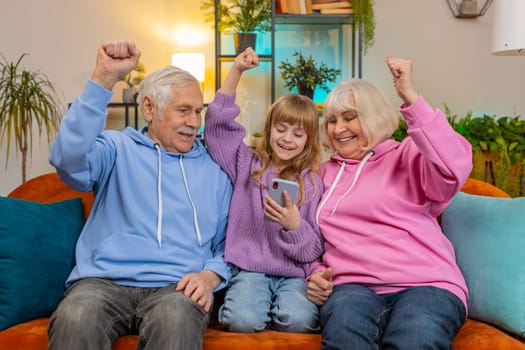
[382, 231]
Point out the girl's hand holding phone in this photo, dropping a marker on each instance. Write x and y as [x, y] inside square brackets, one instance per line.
[288, 215]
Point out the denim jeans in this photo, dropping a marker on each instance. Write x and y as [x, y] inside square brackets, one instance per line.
[255, 301]
[354, 317]
[94, 312]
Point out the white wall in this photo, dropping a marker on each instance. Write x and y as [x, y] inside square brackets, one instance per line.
[451, 56]
[62, 36]
[452, 61]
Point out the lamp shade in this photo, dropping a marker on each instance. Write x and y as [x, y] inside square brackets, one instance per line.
[508, 32]
[191, 62]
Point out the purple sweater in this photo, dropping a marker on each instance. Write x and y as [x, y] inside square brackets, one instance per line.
[252, 243]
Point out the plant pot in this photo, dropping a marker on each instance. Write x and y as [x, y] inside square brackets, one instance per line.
[242, 41]
[306, 91]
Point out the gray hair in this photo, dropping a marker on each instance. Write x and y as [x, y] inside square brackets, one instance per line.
[158, 85]
[377, 116]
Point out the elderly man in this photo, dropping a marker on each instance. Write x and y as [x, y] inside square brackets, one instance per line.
[151, 253]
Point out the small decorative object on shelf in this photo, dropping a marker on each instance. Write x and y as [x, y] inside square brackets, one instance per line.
[242, 18]
[133, 79]
[254, 139]
[306, 74]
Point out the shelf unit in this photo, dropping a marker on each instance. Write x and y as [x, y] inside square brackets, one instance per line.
[279, 24]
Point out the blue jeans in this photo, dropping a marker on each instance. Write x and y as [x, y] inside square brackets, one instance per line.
[255, 301]
[354, 317]
[94, 312]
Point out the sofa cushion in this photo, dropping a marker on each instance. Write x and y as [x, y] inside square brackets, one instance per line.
[488, 235]
[37, 244]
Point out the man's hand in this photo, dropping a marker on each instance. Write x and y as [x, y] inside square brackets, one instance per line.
[114, 61]
[199, 287]
[401, 70]
[320, 286]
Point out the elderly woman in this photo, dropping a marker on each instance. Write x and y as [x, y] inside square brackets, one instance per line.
[388, 278]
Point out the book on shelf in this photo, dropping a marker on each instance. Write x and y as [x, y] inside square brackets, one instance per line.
[295, 6]
[321, 1]
[337, 11]
[281, 6]
[309, 9]
[331, 5]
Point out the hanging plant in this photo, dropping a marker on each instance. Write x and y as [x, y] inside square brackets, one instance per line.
[363, 15]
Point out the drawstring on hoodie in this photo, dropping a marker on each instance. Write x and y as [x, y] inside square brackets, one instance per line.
[159, 196]
[336, 180]
[195, 221]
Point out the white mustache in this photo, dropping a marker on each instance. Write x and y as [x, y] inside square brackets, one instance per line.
[187, 130]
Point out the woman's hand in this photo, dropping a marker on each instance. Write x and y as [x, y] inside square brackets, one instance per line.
[401, 70]
[320, 286]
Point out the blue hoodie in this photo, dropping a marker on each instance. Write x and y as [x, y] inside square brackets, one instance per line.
[157, 215]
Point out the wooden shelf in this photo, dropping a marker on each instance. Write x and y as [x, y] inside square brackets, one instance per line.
[315, 18]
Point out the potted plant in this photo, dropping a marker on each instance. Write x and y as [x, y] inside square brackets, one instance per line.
[27, 99]
[132, 80]
[242, 18]
[306, 74]
[363, 16]
[498, 148]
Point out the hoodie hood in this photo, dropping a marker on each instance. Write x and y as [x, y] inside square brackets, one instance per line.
[379, 151]
[372, 155]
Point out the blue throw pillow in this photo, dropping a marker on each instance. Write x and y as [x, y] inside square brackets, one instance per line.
[37, 246]
[488, 235]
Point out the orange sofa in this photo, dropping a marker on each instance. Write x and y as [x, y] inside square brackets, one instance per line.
[32, 335]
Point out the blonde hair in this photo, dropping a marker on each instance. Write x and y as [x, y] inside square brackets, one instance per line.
[294, 110]
[377, 116]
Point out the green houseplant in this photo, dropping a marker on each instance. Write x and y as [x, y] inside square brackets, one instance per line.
[498, 147]
[305, 74]
[27, 99]
[242, 18]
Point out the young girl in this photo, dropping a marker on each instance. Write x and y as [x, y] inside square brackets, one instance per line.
[270, 258]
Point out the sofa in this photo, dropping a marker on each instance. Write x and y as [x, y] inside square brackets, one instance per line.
[31, 333]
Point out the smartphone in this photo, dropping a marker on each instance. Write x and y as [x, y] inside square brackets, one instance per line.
[278, 186]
